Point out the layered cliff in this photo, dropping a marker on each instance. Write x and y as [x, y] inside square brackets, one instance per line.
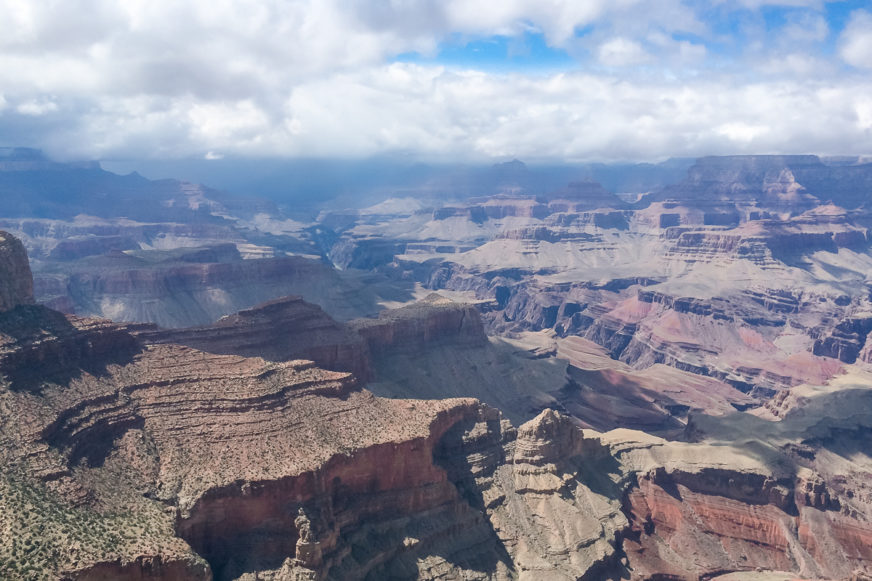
[174, 463]
[129, 459]
[279, 330]
[126, 456]
[194, 287]
[430, 320]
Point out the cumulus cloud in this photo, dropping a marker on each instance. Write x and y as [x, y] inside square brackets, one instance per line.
[856, 40]
[578, 116]
[162, 78]
[435, 112]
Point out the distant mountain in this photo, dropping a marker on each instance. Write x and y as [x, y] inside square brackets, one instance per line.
[359, 183]
[33, 186]
[773, 182]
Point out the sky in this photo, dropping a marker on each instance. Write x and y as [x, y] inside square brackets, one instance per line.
[539, 80]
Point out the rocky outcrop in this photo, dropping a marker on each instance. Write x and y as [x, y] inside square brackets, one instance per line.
[364, 253]
[750, 184]
[536, 490]
[722, 335]
[39, 345]
[178, 463]
[845, 340]
[430, 320]
[581, 196]
[67, 240]
[16, 282]
[767, 181]
[501, 206]
[280, 330]
[81, 246]
[544, 233]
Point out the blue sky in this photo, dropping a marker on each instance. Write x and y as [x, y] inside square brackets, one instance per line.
[436, 79]
[527, 52]
[731, 28]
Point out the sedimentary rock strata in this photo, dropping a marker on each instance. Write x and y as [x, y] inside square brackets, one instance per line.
[729, 314]
[430, 320]
[279, 330]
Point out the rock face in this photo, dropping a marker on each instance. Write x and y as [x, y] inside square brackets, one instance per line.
[16, 282]
[280, 330]
[726, 184]
[787, 509]
[430, 320]
[191, 289]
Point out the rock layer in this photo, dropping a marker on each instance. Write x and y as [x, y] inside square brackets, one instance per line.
[280, 330]
[430, 320]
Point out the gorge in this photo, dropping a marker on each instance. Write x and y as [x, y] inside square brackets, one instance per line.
[576, 385]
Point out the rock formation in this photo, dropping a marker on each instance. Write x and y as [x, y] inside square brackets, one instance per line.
[16, 283]
[280, 330]
[430, 320]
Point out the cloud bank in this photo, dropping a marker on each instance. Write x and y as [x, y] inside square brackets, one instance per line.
[326, 78]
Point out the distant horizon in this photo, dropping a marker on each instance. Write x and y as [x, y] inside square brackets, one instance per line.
[296, 179]
[408, 159]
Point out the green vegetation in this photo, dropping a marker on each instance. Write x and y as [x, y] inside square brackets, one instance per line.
[42, 535]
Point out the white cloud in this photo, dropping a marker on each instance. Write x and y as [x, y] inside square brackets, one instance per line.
[37, 108]
[162, 78]
[795, 65]
[621, 52]
[438, 112]
[557, 19]
[805, 27]
[757, 4]
[863, 107]
[741, 132]
[856, 41]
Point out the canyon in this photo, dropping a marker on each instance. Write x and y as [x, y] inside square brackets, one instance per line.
[565, 385]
